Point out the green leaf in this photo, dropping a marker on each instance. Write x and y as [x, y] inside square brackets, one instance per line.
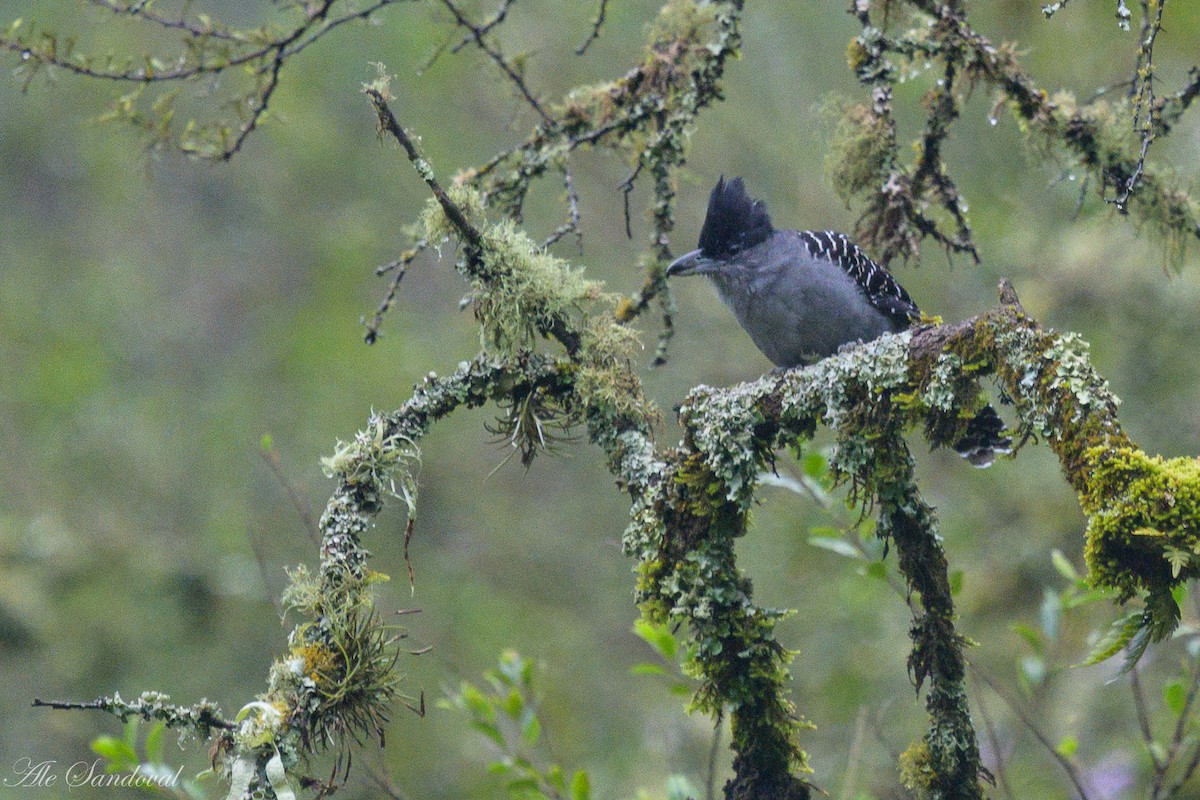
[513, 704]
[531, 730]
[514, 668]
[1068, 746]
[956, 582]
[1137, 648]
[474, 701]
[649, 669]
[523, 789]
[1119, 634]
[1064, 566]
[490, 731]
[835, 545]
[1074, 599]
[815, 465]
[1177, 558]
[266, 442]
[876, 569]
[581, 786]
[1031, 636]
[657, 636]
[119, 753]
[154, 741]
[1175, 696]
[131, 732]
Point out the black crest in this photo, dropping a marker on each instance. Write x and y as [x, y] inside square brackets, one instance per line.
[735, 220]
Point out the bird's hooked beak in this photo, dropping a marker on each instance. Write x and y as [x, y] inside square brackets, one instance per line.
[693, 263]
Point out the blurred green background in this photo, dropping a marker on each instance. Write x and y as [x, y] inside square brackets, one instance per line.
[159, 316]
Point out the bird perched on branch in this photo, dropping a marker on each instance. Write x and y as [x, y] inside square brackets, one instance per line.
[801, 295]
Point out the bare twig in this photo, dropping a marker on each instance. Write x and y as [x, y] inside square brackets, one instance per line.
[1064, 762]
[477, 33]
[556, 327]
[499, 17]
[1142, 93]
[710, 778]
[1139, 703]
[990, 729]
[400, 265]
[271, 458]
[595, 32]
[626, 190]
[254, 538]
[573, 218]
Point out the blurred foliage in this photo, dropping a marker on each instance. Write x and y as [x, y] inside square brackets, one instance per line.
[157, 317]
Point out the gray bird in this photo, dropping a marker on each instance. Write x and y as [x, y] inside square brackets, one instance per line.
[801, 295]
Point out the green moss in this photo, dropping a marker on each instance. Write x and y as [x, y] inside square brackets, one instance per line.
[1144, 530]
[862, 147]
[916, 772]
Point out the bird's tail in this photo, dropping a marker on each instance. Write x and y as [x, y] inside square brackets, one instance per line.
[984, 438]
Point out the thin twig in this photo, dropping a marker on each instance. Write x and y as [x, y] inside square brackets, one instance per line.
[596, 25]
[260, 557]
[990, 729]
[855, 754]
[1063, 761]
[710, 778]
[299, 501]
[557, 327]
[1142, 94]
[573, 217]
[200, 717]
[499, 17]
[400, 265]
[477, 34]
[626, 190]
[388, 123]
[1177, 740]
[1139, 703]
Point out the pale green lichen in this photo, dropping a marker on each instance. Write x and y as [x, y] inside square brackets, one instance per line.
[1073, 371]
[721, 426]
[940, 391]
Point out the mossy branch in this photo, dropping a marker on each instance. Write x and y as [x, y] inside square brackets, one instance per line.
[689, 503]
[904, 203]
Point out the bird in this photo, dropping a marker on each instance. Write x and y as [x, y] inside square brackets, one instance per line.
[803, 295]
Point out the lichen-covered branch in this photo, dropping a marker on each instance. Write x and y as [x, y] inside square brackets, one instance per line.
[207, 48]
[203, 718]
[904, 203]
[336, 684]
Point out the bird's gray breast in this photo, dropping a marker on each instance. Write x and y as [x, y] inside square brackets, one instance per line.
[797, 308]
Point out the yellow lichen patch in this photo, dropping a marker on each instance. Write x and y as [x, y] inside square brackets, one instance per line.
[317, 660]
